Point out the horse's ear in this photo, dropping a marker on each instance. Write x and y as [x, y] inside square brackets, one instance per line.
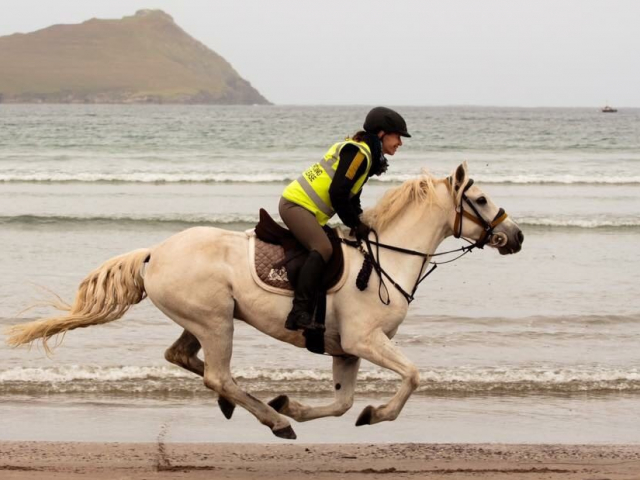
[460, 180]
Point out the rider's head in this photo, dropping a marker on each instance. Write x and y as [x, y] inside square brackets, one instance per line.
[389, 126]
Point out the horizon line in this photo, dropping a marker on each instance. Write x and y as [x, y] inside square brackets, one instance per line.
[363, 105]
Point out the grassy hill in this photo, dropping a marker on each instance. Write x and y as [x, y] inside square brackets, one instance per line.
[144, 58]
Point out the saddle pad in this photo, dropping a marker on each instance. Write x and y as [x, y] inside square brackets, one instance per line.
[269, 272]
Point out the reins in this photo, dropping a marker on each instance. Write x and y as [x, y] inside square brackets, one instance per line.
[374, 259]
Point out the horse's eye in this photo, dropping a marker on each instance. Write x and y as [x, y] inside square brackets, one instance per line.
[481, 201]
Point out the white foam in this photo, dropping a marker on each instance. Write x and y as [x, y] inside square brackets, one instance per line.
[580, 222]
[251, 219]
[141, 379]
[285, 177]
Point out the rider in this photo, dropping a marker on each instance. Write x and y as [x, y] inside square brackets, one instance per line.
[332, 186]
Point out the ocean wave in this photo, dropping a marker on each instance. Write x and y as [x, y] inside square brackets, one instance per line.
[444, 323]
[245, 221]
[588, 223]
[535, 320]
[148, 177]
[124, 220]
[172, 382]
[285, 177]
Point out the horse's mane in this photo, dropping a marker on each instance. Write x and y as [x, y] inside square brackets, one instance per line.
[415, 190]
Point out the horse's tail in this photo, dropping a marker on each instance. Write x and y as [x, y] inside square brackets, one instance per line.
[104, 296]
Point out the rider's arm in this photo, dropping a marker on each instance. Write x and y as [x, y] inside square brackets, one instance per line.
[355, 203]
[353, 164]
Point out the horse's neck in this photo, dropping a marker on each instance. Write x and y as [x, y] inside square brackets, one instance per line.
[416, 228]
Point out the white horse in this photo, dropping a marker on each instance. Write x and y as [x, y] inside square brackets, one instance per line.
[200, 278]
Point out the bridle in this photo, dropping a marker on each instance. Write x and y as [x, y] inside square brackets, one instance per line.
[478, 219]
[371, 260]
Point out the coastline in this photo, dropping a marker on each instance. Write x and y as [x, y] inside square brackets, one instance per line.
[33, 460]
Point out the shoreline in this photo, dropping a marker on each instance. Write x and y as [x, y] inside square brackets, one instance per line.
[34, 460]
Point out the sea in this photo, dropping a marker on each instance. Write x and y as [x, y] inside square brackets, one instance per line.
[538, 347]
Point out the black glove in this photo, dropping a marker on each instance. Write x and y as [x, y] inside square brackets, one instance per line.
[362, 230]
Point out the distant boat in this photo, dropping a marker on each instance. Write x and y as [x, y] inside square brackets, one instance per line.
[608, 109]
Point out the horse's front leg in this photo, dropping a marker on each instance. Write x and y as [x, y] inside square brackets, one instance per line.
[345, 373]
[378, 349]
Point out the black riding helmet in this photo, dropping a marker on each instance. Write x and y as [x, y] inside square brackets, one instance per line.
[383, 118]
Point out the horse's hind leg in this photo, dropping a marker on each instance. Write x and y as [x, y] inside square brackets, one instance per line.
[184, 353]
[216, 341]
[345, 372]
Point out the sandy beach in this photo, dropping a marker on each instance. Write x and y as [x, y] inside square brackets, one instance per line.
[57, 460]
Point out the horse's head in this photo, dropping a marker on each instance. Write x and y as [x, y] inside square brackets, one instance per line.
[477, 218]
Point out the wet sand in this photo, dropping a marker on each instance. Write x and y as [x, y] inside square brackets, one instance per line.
[59, 460]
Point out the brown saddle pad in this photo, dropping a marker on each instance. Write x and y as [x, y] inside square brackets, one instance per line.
[279, 256]
[270, 265]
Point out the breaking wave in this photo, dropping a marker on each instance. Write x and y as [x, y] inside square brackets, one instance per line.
[161, 381]
[285, 177]
[249, 220]
[188, 220]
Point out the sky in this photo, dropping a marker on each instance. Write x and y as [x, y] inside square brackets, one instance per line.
[531, 53]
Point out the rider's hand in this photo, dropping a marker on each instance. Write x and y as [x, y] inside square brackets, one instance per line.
[362, 230]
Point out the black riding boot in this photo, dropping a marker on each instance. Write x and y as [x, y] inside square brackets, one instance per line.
[304, 301]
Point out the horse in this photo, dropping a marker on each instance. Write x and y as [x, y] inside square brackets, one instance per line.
[200, 278]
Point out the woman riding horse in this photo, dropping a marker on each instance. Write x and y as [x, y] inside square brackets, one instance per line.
[201, 279]
[332, 186]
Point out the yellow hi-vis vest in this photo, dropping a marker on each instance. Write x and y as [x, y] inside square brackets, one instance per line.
[311, 189]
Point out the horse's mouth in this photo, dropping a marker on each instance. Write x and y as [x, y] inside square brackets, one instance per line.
[509, 250]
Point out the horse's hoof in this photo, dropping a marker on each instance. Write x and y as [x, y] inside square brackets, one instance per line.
[365, 417]
[286, 432]
[226, 406]
[279, 403]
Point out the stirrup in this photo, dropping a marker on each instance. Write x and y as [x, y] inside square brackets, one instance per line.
[315, 327]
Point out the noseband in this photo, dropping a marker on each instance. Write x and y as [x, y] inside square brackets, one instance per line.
[478, 219]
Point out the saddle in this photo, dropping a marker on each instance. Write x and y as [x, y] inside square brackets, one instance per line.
[278, 258]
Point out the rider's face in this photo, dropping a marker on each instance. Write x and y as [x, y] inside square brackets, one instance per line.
[390, 142]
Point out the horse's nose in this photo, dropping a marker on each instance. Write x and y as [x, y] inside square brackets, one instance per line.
[520, 237]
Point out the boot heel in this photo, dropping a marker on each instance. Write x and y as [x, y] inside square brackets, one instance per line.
[298, 321]
[291, 323]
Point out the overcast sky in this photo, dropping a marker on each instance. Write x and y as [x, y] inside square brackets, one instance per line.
[406, 52]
